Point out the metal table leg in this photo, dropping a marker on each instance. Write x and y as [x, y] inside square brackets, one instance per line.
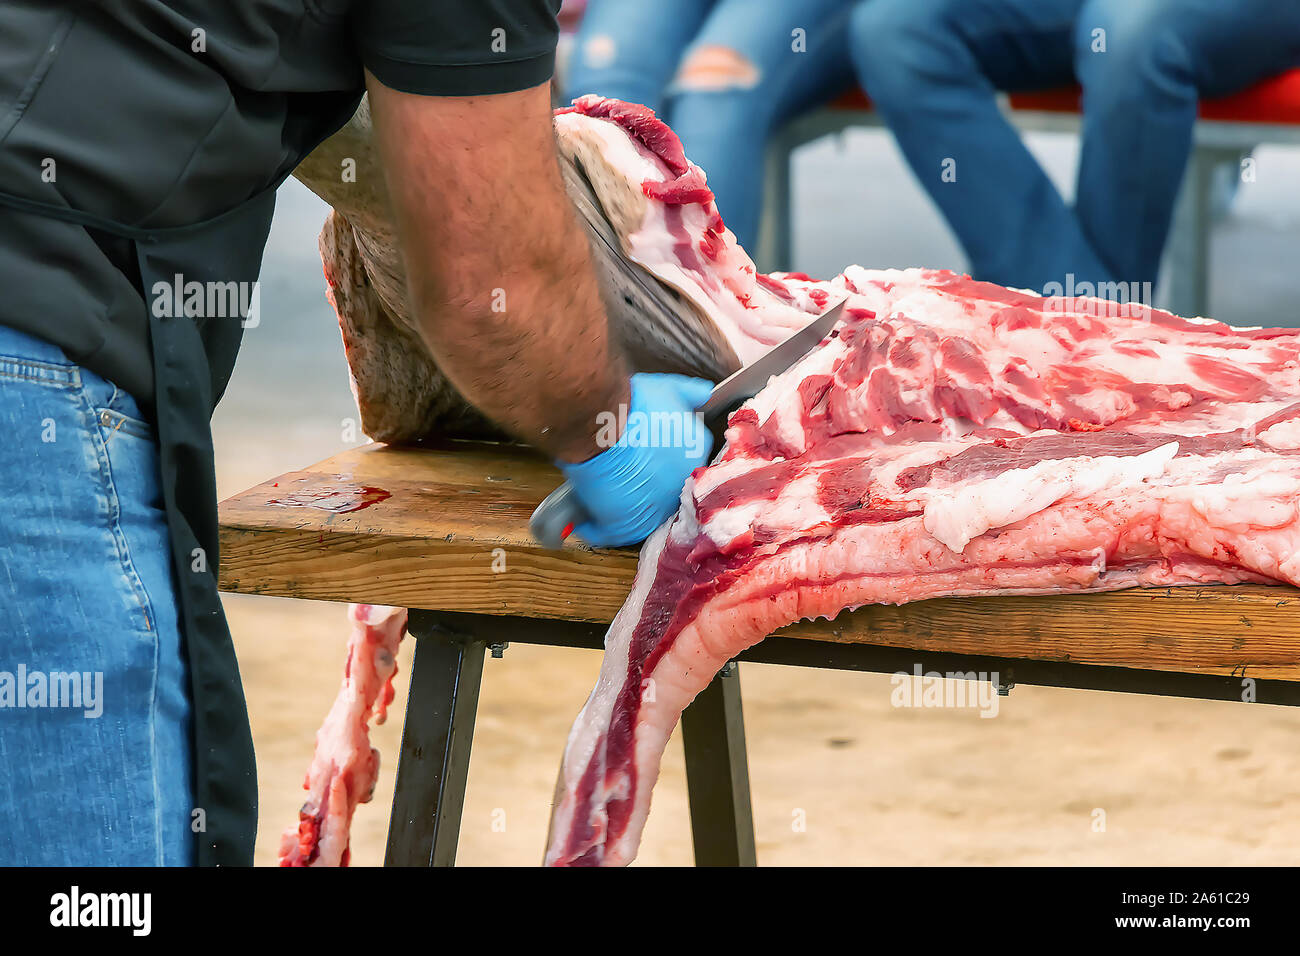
[775, 240]
[434, 763]
[717, 774]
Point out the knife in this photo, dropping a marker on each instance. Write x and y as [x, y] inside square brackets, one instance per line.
[561, 511]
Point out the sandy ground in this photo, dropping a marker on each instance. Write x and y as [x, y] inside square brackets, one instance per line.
[839, 775]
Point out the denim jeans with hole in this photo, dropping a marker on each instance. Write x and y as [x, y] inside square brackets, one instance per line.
[796, 57]
[95, 750]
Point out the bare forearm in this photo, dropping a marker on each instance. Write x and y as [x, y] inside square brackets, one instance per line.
[500, 272]
[517, 321]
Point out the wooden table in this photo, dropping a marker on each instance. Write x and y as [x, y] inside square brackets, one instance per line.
[444, 531]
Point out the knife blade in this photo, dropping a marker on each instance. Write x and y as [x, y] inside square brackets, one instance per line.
[748, 380]
[558, 514]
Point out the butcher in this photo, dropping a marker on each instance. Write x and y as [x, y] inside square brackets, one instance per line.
[141, 145]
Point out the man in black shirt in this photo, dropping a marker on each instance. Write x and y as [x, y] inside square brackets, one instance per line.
[141, 142]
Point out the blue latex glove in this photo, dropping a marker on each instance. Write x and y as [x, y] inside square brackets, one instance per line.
[632, 487]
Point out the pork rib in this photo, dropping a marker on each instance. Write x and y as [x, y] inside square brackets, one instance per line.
[950, 437]
[345, 767]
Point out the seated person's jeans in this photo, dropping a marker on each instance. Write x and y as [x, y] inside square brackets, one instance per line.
[724, 75]
[933, 69]
[95, 749]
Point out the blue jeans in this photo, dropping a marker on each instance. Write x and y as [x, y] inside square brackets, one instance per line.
[629, 49]
[780, 58]
[95, 751]
[933, 68]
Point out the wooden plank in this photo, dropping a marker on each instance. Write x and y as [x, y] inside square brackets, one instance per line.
[453, 536]
[431, 573]
[1245, 629]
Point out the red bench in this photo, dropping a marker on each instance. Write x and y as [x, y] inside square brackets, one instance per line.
[1275, 101]
[1272, 101]
[1228, 129]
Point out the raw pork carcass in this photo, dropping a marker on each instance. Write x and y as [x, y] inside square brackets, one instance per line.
[345, 767]
[684, 297]
[950, 437]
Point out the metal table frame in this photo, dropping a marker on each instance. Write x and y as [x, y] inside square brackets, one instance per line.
[443, 700]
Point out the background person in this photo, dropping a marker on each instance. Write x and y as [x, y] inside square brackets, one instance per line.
[933, 69]
[724, 75]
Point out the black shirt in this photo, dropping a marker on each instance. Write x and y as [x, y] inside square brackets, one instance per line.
[158, 113]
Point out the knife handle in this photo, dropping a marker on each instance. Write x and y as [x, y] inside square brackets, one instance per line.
[556, 517]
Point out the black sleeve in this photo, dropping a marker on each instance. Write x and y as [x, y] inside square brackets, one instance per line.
[458, 47]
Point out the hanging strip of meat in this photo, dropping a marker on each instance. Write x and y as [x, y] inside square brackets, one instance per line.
[345, 767]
